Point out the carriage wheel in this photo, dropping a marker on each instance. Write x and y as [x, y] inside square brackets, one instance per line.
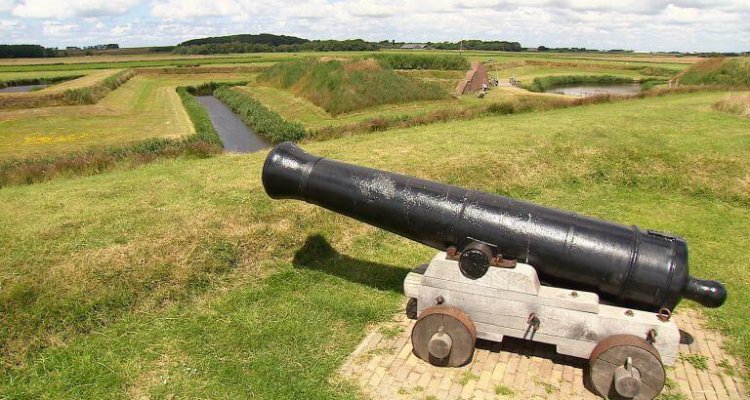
[444, 336]
[626, 367]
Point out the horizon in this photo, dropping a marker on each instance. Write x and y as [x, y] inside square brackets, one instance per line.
[642, 26]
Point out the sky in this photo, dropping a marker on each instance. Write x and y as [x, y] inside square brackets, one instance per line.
[641, 25]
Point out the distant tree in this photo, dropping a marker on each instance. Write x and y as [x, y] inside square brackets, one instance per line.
[26, 51]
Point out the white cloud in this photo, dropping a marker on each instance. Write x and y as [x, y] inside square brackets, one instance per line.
[6, 5]
[719, 25]
[184, 9]
[57, 29]
[64, 9]
[7, 25]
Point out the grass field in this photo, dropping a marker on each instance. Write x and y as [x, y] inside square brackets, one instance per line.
[182, 279]
[144, 107]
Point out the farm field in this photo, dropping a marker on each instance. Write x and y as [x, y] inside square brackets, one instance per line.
[182, 279]
[156, 60]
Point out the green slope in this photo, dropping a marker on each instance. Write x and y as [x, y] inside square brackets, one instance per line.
[718, 71]
[182, 278]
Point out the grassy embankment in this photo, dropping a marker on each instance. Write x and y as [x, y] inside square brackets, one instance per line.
[340, 87]
[36, 81]
[85, 90]
[718, 71]
[182, 279]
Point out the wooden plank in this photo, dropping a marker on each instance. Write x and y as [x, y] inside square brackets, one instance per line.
[520, 284]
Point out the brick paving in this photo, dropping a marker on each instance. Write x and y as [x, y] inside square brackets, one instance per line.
[385, 368]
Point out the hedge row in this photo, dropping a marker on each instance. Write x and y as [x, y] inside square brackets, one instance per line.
[208, 88]
[545, 83]
[37, 81]
[83, 95]
[204, 129]
[421, 61]
[264, 121]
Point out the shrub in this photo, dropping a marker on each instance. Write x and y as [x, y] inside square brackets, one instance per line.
[264, 121]
[340, 87]
[501, 108]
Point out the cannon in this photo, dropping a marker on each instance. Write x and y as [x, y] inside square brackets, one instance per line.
[505, 267]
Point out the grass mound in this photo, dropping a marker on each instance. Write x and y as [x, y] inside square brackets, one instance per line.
[718, 71]
[340, 87]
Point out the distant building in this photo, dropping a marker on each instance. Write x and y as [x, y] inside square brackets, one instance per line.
[72, 48]
[413, 46]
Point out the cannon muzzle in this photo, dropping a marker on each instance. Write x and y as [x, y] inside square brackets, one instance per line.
[625, 265]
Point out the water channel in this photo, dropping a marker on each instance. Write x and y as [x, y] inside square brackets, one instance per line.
[21, 88]
[628, 89]
[236, 136]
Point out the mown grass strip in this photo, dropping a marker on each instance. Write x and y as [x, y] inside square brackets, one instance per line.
[264, 121]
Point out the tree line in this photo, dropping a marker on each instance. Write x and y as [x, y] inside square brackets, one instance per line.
[26, 51]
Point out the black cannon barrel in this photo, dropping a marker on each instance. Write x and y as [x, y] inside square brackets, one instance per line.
[625, 265]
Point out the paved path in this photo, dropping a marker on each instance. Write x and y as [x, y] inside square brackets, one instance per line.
[385, 368]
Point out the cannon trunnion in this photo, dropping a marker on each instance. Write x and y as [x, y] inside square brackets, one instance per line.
[505, 267]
